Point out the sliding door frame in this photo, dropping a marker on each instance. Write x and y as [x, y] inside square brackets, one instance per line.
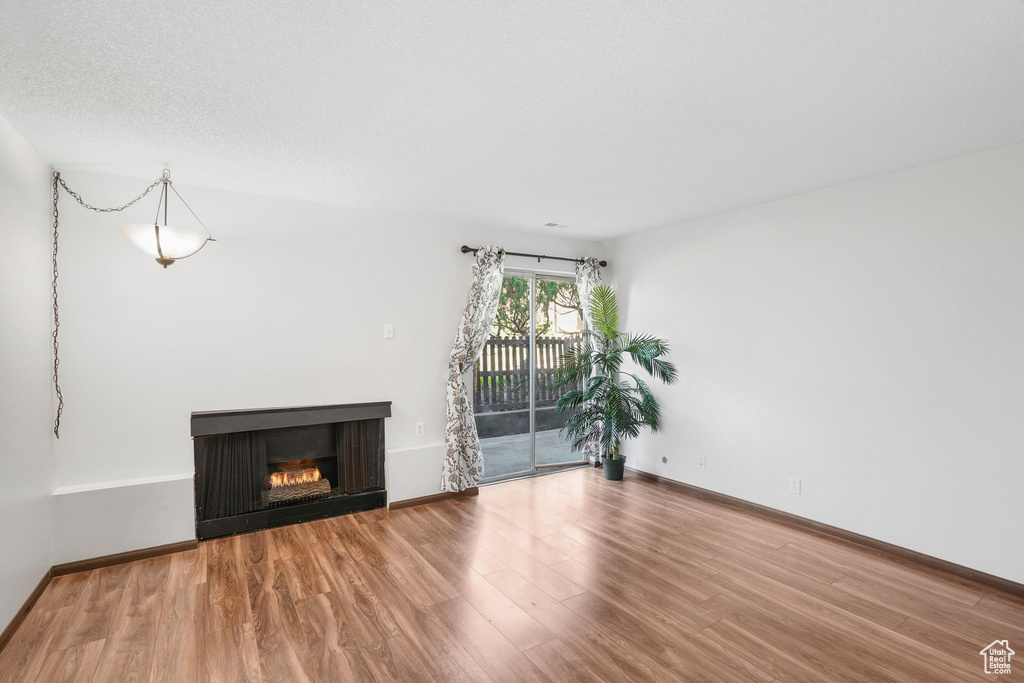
[532, 276]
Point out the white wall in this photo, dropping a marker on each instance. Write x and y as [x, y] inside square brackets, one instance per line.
[26, 459]
[866, 338]
[286, 308]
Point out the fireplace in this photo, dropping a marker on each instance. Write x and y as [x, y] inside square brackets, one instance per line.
[257, 469]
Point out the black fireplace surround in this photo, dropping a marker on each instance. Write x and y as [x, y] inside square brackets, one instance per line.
[238, 451]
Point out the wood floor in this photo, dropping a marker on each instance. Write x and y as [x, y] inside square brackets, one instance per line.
[559, 578]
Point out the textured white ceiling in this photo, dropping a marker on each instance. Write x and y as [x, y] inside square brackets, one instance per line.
[610, 117]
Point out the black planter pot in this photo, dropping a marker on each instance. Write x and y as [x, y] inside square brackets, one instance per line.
[613, 468]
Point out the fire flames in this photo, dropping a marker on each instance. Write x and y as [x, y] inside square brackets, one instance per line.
[293, 477]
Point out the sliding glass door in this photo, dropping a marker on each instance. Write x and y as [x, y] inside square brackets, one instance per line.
[502, 397]
[514, 390]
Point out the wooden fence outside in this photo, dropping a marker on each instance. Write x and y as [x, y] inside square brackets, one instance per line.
[502, 381]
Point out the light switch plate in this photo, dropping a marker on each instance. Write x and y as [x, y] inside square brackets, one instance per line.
[389, 330]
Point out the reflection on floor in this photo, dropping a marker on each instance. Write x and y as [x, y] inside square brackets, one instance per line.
[507, 454]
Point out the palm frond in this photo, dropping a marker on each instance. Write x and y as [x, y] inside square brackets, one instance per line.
[570, 400]
[664, 370]
[646, 350]
[649, 408]
[577, 364]
[584, 425]
[609, 360]
[604, 311]
[593, 390]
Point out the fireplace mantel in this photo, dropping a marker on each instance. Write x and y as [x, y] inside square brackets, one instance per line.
[234, 421]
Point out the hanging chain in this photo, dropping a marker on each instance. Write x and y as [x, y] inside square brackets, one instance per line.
[56, 314]
[78, 197]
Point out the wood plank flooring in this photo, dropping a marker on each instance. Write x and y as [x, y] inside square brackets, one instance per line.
[559, 578]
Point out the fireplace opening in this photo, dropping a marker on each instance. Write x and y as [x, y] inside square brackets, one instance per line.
[302, 464]
[295, 481]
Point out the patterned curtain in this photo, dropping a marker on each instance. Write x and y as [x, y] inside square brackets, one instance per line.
[588, 276]
[463, 462]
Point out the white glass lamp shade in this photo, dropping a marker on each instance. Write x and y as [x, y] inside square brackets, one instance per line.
[165, 243]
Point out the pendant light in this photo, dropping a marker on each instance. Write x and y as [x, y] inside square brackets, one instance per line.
[164, 242]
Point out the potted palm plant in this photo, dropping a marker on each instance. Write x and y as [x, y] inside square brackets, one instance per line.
[609, 405]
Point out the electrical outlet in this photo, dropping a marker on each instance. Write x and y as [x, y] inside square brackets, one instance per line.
[794, 486]
[389, 330]
[419, 429]
[701, 463]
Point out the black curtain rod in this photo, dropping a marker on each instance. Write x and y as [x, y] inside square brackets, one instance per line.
[473, 250]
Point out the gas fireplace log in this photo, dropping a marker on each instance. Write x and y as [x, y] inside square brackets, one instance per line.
[309, 490]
